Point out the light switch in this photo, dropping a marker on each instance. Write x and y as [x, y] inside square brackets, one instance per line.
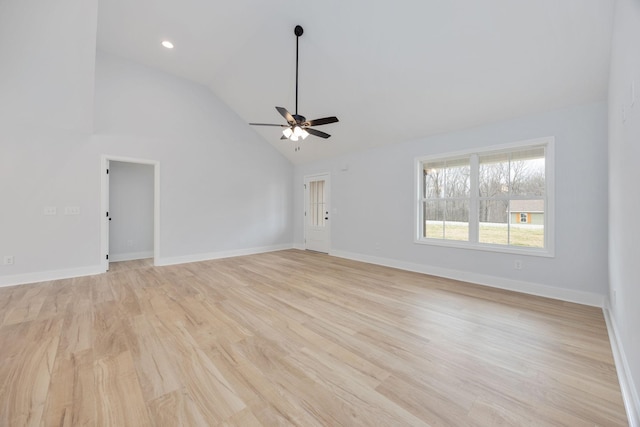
[72, 210]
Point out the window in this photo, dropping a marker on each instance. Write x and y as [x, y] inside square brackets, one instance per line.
[447, 193]
[316, 204]
[497, 199]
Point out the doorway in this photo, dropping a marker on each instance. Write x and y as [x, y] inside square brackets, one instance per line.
[130, 209]
[316, 216]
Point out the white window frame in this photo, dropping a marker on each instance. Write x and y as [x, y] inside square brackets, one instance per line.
[549, 200]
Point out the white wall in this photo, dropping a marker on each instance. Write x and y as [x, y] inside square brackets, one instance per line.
[131, 210]
[624, 195]
[222, 188]
[374, 202]
[47, 53]
[46, 87]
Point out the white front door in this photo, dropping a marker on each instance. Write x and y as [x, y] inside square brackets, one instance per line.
[316, 215]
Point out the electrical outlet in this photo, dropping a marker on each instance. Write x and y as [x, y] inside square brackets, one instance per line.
[50, 210]
[517, 264]
[8, 260]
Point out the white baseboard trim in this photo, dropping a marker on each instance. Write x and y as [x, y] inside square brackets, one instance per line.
[183, 259]
[299, 246]
[629, 392]
[46, 276]
[569, 295]
[131, 256]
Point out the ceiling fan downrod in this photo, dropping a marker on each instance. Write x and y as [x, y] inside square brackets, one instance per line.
[298, 31]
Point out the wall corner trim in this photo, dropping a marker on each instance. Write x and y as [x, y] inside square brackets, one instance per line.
[629, 393]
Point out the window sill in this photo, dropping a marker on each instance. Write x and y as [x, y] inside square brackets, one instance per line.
[516, 250]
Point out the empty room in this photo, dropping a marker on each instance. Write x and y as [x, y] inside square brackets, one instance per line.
[412, 213]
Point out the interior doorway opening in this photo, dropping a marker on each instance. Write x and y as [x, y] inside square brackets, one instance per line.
[130, 209]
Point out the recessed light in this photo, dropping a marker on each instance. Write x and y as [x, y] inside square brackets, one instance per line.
[167, 44]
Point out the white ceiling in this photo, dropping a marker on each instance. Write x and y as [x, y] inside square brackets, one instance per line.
[390, 70]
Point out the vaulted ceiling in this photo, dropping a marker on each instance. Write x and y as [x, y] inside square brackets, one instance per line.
[390, 70]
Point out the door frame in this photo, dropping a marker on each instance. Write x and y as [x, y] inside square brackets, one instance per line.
[306, 178]
[104, 205]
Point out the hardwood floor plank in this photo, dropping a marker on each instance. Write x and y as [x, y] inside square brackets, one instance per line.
[155, 371]
[72, 379]
[213, 395]
[294, 338]
[176, 409]
[109, 333]
[28, 308]
[26, 385]
[119, 400]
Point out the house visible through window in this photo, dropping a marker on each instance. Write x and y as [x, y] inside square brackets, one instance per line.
[495, 199]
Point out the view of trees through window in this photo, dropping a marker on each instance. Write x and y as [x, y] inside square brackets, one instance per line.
[447, 191]
[490, 191]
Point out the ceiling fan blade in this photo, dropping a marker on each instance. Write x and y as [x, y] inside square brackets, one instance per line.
[322, 121]
[287, 115]
[317, 133]
[268, 124]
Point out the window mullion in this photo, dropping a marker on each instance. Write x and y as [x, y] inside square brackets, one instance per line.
[474, 204]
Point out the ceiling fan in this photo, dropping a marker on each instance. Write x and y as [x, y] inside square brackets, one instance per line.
[298, 127]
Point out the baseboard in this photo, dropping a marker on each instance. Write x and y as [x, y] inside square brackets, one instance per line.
[45, 276]
[569, 295]
[629, 392]
[183, 259]
[299, 246]
[131, 256]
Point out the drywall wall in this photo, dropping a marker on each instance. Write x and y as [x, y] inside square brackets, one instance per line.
[47, 168]
[46, 82]
[624, 197]
[131, 211]
[222, 188]
[47, 51]
[372, 196]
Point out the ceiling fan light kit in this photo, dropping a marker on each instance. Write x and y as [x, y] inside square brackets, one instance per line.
[298, 127]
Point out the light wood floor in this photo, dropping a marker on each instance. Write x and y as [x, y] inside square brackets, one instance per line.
[294, 338]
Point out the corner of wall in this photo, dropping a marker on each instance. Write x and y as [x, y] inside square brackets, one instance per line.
[629, 393]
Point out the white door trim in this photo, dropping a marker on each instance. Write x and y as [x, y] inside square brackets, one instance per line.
[327, 178]
[104, 203]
